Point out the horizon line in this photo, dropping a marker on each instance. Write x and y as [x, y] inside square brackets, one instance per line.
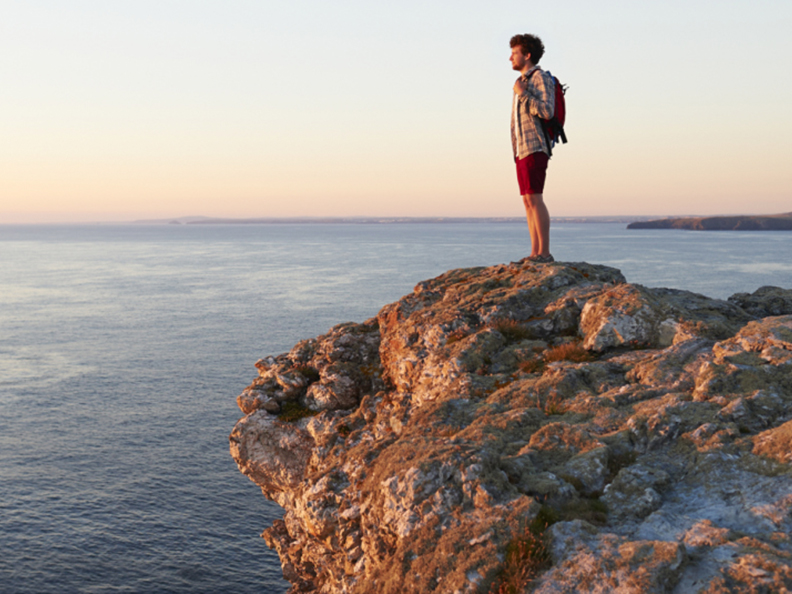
[205, 220]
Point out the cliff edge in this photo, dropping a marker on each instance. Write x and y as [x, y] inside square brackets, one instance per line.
[543, 428]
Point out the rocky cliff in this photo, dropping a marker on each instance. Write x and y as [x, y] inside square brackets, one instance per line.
[544, 428]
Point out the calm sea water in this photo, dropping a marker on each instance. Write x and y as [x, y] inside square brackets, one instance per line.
[122, 349]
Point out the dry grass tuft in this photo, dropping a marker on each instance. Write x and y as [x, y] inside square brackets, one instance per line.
[551, 405]
[512, 330]
[532, 366]
[526, 556]
[571, 351]
[554, 405]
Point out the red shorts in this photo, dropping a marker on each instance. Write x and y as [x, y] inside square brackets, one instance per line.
[531, 172]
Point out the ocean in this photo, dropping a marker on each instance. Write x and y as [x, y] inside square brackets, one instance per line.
[123, 347]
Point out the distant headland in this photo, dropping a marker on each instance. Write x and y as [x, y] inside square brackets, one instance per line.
[779, 222]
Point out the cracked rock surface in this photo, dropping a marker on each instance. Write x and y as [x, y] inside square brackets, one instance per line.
[410, 450]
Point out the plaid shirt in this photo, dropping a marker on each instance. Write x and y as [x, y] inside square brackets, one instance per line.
[538, 101]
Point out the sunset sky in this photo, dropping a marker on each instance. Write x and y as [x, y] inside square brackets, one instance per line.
[118, 110]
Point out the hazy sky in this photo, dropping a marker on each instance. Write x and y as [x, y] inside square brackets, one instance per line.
[113, 110]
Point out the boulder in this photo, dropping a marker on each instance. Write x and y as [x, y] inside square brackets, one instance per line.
[765, 301]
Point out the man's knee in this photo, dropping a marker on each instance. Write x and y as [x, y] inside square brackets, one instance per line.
[532, 200]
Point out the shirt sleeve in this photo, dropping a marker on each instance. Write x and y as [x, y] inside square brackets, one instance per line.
[540, 96]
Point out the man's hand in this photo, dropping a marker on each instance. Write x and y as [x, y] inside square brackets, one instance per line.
[520, 86]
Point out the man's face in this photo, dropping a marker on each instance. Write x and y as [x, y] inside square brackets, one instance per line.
[518, 59]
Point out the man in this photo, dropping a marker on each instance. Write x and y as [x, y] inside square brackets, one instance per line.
[534, 98]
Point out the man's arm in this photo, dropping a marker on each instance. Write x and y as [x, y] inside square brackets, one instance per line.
[539, 93]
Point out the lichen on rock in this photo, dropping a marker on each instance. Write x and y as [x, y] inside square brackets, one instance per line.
[649, 428]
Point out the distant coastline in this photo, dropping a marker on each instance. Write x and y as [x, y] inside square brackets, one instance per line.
[779, 222]
[197, 220]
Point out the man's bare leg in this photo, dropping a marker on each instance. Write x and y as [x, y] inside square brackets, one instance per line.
[531, 219]
[538, 223]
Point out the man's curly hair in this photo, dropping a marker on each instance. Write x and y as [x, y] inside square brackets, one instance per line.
[530, 44]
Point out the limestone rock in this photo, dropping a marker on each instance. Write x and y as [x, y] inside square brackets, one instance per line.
[600, 563]
[636, 491]
[273, 454]
[326, 373]
[775, 443]
[632, 315]
[412, 452]
[758, 357]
